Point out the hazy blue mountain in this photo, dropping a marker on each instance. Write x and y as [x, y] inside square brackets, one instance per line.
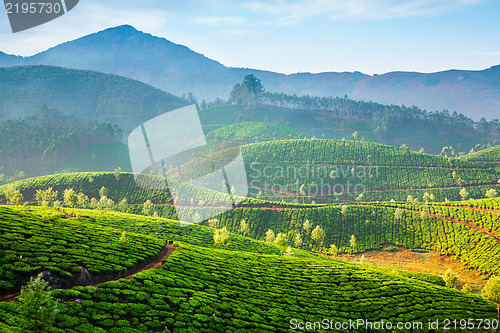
[175, 68]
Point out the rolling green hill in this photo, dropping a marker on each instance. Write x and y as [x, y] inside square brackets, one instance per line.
[80, 93]
[373, 223]
[373, 122]
[489, 156]
[254, 132]
[327, 170]
[241, 288]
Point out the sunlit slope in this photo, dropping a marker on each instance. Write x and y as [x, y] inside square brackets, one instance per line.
[35, 241]
[472, 238]
[215, 290]
[487, 156]
[254, 132]
[343, 169]
[326, 170]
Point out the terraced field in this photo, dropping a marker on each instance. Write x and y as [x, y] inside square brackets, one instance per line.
[240, 289]
[246, 285]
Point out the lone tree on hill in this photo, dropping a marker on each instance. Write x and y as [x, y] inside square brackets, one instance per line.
[221, 236]
[147, 208]
[70, 198]
[248, 92]
[318, 235]
[270, 236]
[14, 196]
[450, 278]
[281, 242]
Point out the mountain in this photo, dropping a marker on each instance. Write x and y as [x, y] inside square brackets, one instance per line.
[175, 68]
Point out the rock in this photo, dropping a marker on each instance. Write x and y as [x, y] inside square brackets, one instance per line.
[78, 301]
[84, 279]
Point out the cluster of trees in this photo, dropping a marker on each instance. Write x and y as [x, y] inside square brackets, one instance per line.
[251, 93]
[41, 143]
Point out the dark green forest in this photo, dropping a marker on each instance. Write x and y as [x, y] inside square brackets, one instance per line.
[41, 143]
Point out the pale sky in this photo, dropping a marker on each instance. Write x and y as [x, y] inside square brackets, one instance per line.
[290, 36]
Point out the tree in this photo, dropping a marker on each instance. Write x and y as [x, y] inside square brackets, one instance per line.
[122, 238]
[213, 223]
[82, 200]
[302, 192]
[244, 227]
[13, 195]
[270, 236]
[70, 198]
[491, 292]
[467, 288]
[355, 135]
[463, 193]
[103, 192]
[94, 203]
[450, 278]
[288, 252]
[298, 241]
[221, 236]
[333, 250]
[104, 204]
[281, 242]
[117, 173]
[353, 243]
[36, 306]
[147, 208]
[46, 197]
[248, 92]
[123, 205]
[21, 175]
[491, 193]
[318, 235]
[307, 226]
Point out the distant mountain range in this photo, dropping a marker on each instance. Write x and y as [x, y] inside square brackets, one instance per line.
[175, 68]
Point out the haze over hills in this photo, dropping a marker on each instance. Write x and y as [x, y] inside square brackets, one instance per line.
[175, 68]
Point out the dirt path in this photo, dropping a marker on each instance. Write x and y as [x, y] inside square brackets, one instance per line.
[150, 263]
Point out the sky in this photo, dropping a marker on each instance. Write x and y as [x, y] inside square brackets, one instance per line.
[290, 36]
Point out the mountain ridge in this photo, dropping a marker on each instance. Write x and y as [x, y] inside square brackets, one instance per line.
[128, 52]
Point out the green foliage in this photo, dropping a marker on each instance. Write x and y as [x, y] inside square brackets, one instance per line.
[147, 208]
[491, 292]
[221, 236]
[30, 243]
[281, 242]
[36, 306]
[251, 132]
[40, 144]
[450, 278]
[70, 198]
[318, 235]
[211, 290]
[270, 237]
